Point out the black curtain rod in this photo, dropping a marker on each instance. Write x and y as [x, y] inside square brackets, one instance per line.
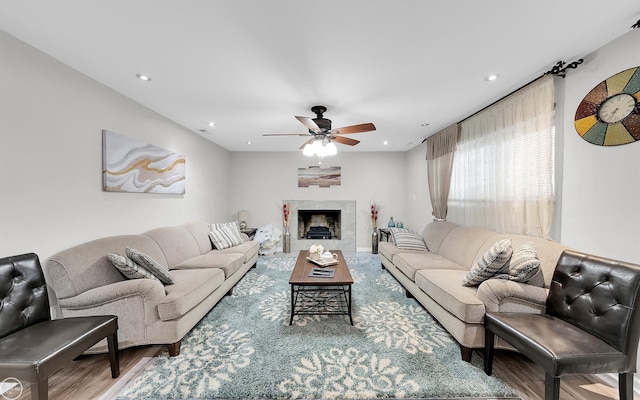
[503, 97]
[560, 69]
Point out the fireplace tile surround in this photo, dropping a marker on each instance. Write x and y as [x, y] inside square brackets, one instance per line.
[347, 241]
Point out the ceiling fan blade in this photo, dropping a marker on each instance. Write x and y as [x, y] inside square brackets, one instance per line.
[354, 129]
[344, 140]
[309, 123]
[307, 142]
[286, 134]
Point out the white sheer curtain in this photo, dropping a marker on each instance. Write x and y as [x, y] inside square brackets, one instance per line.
[440, 150]
[503, 172]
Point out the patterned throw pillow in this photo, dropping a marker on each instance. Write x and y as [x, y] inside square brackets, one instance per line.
[523, 266]
[491, 262]
[225, 235]
[150, 265]
[128, 268]
[408, 240]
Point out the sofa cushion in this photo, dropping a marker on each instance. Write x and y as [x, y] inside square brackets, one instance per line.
[407, 240]
[389, 250]
[225, 235]
[409, 263]
[190, 289]
[444, 287]
[150, 265]
[228, 262]
[491, 263]
[177, 243]
[435, 233]
[462, 245]
[200, 231]
[249, 249]
[128, 268]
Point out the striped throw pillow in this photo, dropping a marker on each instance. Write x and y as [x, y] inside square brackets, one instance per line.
[225, 235]
[407, 240]
[150, 265]
[128, 268]
[491, 263]
[523, 266]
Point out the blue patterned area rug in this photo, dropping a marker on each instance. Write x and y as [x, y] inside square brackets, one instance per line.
[245, 349]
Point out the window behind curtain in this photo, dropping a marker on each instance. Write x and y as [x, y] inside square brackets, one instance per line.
[503, 169]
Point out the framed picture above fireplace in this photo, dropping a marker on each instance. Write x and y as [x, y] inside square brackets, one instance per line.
[317, 176]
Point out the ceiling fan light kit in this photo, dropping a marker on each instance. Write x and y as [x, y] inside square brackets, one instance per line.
[320, 147]
[323, 137]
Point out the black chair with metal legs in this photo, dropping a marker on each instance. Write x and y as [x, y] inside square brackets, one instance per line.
[32, 345]
[590, 326]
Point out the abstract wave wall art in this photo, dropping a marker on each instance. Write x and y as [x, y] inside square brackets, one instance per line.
[129, 165]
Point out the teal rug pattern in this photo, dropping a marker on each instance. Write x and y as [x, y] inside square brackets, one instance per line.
[246, 349]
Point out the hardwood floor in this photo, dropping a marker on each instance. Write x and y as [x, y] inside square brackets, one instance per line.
[89, 377]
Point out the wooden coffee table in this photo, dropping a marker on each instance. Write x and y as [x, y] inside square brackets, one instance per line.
[319, 295]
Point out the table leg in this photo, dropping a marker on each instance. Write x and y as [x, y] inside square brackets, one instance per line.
[349, 302]
[293, 304]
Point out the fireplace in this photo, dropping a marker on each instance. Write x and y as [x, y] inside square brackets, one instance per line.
[319, 224]
[327, 217]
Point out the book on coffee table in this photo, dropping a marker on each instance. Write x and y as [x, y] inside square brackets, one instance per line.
[323, 263]
[322, 273]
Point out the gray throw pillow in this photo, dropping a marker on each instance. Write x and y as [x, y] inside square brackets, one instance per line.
[491, 263]
[128, 268]
[523, 266]
[150, 265]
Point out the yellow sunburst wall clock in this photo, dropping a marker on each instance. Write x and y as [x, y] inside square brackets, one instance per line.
[609, 115]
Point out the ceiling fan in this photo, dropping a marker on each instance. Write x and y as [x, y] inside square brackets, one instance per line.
[320, 129]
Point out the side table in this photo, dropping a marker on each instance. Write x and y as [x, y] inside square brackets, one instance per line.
[251, 232]
[384, 234]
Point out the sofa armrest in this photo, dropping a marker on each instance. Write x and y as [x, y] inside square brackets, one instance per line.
[501, 295]
[147, 289]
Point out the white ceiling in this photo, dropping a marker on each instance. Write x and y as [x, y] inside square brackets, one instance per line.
[251, 66]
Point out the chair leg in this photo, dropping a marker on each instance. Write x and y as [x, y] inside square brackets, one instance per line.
[114, 354]
[40, 390]
[489, 339]
[551, 387]
[625, 386]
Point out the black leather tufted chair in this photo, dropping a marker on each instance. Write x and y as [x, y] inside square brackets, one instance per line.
[590, 325]
[32, 345]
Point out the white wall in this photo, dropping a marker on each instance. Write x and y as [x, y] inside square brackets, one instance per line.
[261, 181]
[51, 194]
[601, 185]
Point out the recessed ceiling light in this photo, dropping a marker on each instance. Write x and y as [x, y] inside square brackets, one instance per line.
[492, 77]
[249, 142]
[385, 143]
[142, 77]
[211, 123]
[424, 124]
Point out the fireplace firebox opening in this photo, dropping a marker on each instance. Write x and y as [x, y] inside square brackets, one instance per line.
[319, 224]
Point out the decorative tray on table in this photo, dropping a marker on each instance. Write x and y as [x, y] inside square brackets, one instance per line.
[323, 263]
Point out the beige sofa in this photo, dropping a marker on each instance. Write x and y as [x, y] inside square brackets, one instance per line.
[435, 277]
[86, 283]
